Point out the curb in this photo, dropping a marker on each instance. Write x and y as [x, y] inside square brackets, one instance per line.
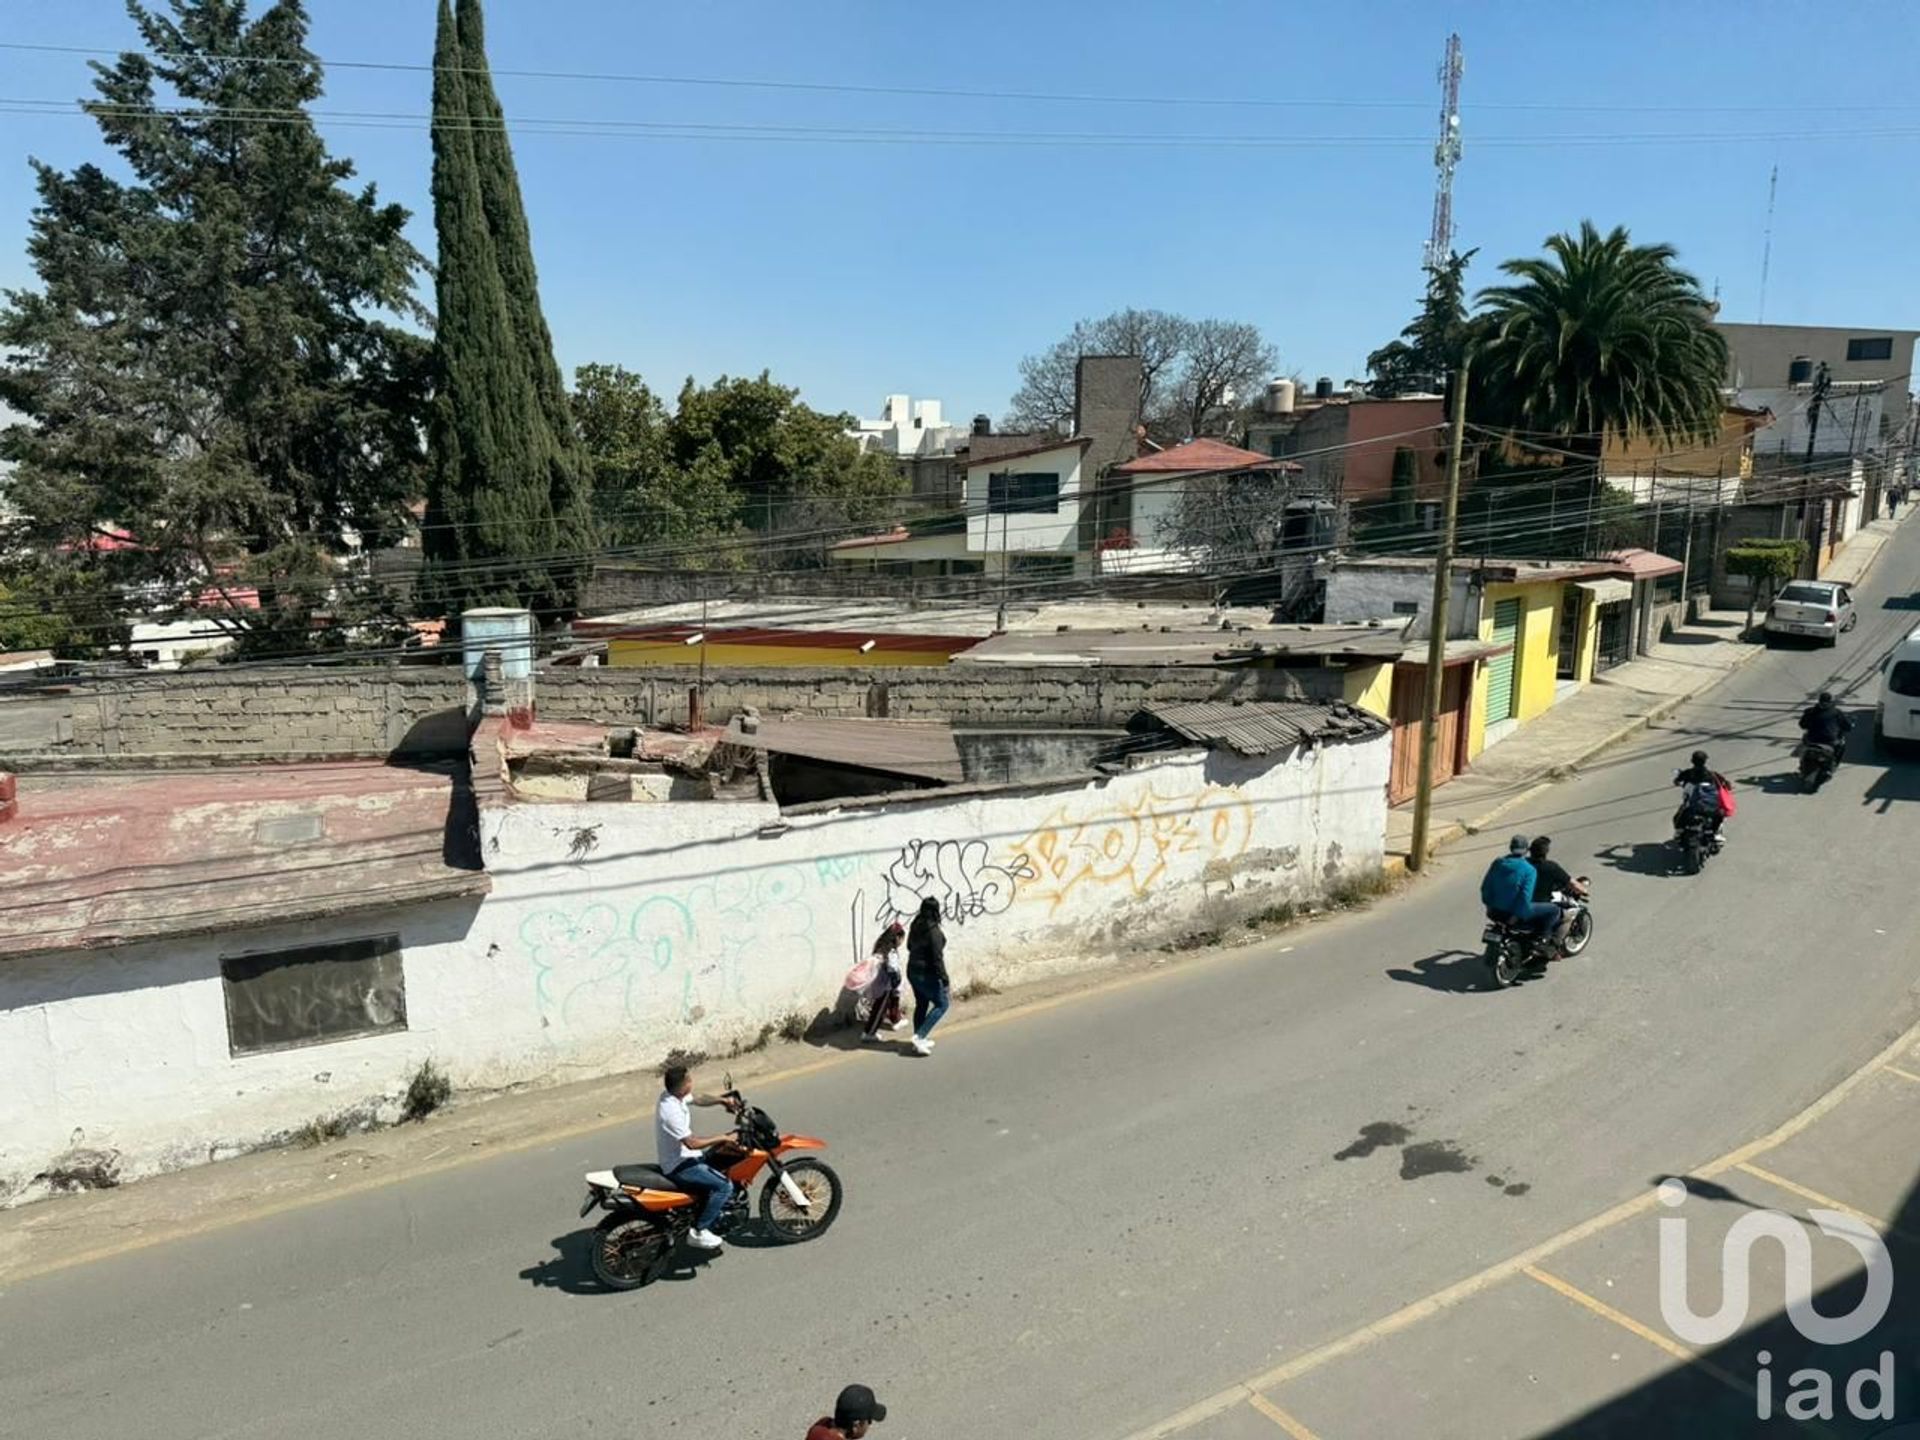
[1395, 864]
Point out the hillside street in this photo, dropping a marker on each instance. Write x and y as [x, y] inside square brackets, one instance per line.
[1083, 1220]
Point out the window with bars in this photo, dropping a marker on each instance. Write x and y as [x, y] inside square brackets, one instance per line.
[1023, 492]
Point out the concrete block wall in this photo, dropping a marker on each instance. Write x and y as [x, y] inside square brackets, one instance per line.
[274, 712]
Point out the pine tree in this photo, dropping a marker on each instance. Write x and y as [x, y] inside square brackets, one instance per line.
[508, 515]
[205, 364]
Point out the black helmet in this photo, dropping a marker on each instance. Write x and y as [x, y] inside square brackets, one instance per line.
[1826, 698]
[1699, 757]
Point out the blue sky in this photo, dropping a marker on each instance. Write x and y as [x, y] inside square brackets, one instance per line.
[852, 270]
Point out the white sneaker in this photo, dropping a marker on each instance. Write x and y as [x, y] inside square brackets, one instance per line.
[704, 1240]
[930, 1042]
[922, 1047]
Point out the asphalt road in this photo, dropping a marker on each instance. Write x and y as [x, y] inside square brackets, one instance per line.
[1079, 1221]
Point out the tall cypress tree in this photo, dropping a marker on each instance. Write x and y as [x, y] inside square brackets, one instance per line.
[508, 518]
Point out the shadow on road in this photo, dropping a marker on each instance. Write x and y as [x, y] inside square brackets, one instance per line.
[1896, 782]
[1640, 857]
[570, 1270]
[1707, 1190]
[1452, 972]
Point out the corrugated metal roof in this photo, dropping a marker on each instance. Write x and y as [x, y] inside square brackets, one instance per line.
[1260, 727]
[923, 749]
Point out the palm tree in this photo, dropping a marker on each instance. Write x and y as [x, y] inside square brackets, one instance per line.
[1600, 338]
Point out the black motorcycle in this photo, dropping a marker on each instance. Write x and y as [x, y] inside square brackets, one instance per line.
[1818, 761]
[1697, 841]
[1511, 950]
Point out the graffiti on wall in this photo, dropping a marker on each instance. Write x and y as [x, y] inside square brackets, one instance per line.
[1132, 845]
[958, 873]
[742, 940]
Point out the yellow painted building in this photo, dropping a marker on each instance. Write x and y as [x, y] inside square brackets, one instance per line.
[1370, 687]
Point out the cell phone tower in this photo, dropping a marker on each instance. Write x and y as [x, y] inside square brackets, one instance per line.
[1446, 156]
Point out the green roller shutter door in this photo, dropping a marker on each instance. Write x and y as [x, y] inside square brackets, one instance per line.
[1506, 631]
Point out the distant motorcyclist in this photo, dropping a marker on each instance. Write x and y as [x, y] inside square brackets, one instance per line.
[1825, 723]
[1507, 891]
[1701, 797]
[1551, 879]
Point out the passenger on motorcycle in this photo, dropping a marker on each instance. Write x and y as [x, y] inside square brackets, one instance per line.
[1825, 723]
[1550, 879]
[1701, 797]
[1508, 889]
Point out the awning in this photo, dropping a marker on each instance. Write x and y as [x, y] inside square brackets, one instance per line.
[1607, 592]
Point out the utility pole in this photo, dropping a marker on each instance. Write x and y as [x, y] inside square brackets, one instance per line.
[1822, 382]
[1437, 639]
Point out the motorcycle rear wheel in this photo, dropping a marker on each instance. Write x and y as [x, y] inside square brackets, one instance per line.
[787, 1222]
[1504, 963]
[630, 1250]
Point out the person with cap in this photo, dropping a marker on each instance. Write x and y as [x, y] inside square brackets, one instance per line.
[1825, 723]
[854, 1414]
[1507, 891]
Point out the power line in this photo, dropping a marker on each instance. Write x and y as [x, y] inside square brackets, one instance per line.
[725, 82]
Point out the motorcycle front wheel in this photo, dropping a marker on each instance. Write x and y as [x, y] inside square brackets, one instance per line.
[792, 1224]
[629, 1250]
[1579, 934]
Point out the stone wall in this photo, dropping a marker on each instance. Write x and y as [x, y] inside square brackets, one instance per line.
[279, 713]
[972, 695]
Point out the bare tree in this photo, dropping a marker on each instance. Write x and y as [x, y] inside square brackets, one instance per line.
[1190, 371]
[1232, 521]
[1222, 364]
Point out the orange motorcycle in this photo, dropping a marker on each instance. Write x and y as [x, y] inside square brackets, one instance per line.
[649, 1214]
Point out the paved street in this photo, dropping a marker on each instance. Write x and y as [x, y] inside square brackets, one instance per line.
[1083, 1221]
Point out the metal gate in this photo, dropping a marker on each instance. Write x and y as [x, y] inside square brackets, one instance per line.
[1616, 635]
[1501, 668]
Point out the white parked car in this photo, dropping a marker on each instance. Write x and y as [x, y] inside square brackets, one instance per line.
[1812, 610]
[1896, 718]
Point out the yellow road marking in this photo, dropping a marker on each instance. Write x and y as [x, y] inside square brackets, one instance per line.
[1827, 1201]
[1628, 1323]
[231, 1216]
[1903, 1074]
[1472, 1285]
[1281, 1418]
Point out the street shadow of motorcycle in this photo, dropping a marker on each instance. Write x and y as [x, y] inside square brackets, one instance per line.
[1642, 857]
[1451, 972]
[570, 1268]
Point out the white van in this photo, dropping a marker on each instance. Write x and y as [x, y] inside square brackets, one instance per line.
[1897, 717]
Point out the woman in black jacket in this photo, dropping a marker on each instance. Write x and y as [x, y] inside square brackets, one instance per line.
[927, 973]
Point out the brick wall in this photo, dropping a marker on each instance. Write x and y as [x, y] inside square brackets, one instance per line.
[274, 713]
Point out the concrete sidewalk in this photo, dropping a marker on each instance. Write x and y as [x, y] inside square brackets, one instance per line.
[1596, 717]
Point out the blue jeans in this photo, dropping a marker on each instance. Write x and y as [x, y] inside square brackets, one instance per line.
[715, 1188]
[930, 999]
[1539, 918]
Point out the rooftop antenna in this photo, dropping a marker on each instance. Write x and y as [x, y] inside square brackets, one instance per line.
[1446, 157]
[1766, 253]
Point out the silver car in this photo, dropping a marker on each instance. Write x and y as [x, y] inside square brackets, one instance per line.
[1812, 610]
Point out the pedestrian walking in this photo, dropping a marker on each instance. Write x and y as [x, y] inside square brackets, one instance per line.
[854, 1414]
[882, 997]
[927, 973]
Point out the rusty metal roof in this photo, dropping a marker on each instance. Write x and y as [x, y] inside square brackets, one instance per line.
[1261, 727]
[922, 749]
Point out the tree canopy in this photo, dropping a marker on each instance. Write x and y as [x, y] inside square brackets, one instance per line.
[213, 361]
[1194, 373]
[508, 512]
[1430, 348]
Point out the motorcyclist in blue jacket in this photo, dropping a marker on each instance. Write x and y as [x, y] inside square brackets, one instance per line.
[1507, 891]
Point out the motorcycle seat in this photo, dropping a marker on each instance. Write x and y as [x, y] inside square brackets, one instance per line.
[647, 1177]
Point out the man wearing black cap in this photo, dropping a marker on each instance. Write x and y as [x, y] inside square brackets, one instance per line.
[854, 1413]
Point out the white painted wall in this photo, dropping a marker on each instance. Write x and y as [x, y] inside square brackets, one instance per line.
[1027, 532]
[616, 933]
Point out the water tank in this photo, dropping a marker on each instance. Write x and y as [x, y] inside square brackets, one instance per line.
[1800, 370]
[1323, 388]
[1279, 397]
[983, 424]
[499, 628]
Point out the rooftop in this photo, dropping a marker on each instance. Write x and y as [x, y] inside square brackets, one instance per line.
[922, 749]
[1044, 447]
[856, 619]
[1198, 456]
[1191, 646]
[99, 860]
[1260, 727]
